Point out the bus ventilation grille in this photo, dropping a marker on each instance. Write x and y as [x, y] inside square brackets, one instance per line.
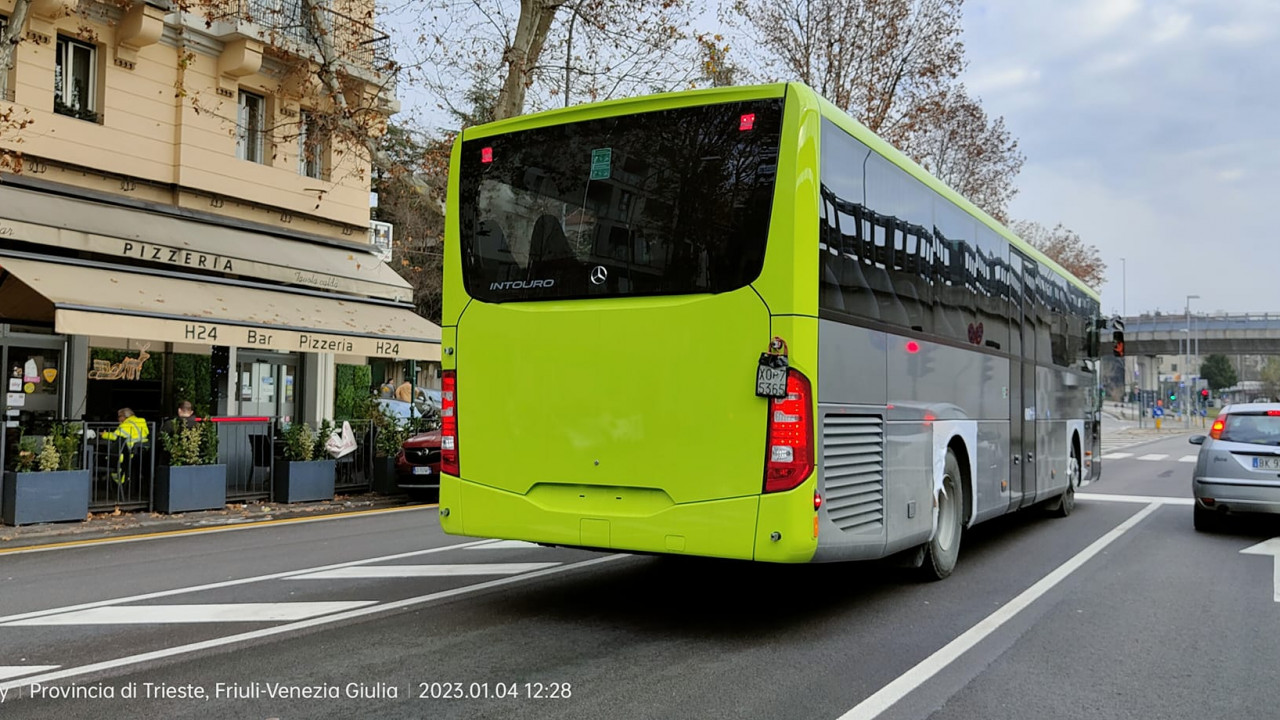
[853, 470]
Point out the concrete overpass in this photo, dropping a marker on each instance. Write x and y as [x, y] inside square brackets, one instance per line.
[1244, 334]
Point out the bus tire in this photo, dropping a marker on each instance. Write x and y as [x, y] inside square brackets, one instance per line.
[1066, 502]
[941, 551]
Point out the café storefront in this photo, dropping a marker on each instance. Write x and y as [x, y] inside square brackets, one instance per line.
[108, 303]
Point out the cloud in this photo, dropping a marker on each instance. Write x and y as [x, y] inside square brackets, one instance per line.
[1003, 79]
[1100, 18]
[1148, 129]
[1170, 27]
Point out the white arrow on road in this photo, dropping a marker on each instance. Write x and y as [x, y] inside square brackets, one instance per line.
[1268, 547]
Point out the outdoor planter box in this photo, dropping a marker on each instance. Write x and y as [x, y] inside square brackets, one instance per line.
[39, 497]
[302, 481]
[182, 488]
[384, 476]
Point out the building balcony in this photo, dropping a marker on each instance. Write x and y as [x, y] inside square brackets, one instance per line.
[289, 27]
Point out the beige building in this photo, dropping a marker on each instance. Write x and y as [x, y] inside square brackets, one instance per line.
[187, 221]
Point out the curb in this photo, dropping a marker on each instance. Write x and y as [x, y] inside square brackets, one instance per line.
[103, 528]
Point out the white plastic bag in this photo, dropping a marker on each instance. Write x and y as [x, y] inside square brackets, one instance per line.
[341, 442]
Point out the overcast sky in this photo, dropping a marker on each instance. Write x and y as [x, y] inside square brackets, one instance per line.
[1151, 128]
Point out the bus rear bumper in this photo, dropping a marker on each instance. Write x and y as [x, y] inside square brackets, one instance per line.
[714, 528]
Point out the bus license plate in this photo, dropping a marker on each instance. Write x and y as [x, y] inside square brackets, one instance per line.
[1266, 463]
[422, 470]
[771, 382]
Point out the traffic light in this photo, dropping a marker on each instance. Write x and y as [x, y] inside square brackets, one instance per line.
[1204, 396]
[1117, 336]
[1173, 396]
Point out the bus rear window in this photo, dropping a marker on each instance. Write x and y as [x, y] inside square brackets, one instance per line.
[660, 203]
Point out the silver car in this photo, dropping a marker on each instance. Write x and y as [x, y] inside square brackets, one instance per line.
[1238, 469]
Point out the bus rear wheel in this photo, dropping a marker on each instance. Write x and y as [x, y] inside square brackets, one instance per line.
[1066, 502]
[941, 551]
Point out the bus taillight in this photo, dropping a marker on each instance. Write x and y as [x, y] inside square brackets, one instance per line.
[790, 458]
[449, 423]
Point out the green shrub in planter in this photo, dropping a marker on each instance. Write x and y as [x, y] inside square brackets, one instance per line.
[298, 477]
[45, 484]
[192, 479]
[389, 433]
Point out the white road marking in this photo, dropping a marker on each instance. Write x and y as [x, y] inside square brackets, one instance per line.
[12, 671]
[1116, 456]
[1187, 458]
[177, 614]
[406, 571]
[1144, 499]
[506, 545]
[197, 532]
[300, 625]
[233, 583]
[1269, 547]
[887, 696]
[1153, 456]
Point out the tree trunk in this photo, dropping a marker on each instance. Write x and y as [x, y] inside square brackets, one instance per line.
[9, 40]
[522, 55]
[343, 116]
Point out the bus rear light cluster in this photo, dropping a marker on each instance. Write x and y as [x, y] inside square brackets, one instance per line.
[449, 423]
[790, 458]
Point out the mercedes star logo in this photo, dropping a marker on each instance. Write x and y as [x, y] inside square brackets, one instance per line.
[599, 275]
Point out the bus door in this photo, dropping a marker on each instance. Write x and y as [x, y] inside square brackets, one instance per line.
[1022, 381]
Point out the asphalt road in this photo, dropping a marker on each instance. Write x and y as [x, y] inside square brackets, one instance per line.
[1120, 611]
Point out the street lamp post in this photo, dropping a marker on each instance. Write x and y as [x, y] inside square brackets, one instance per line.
[1124, 292]
[1188, 357]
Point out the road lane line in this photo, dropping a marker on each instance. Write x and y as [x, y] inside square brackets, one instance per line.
[1144, 499]
[300, 625]
[232, 583]
[420, 571]
[195, 613]
[246, 525]
[1154, 456]
[12, 671]
[887, 696]
[1117, 456]
[1188, 458]
[507, 545]
[1269, 547]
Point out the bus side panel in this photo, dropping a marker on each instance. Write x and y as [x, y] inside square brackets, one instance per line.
[850, 436]
[991, 466]
[852, 365]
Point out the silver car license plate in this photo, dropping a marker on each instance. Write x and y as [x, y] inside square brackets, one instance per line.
[1266, 463]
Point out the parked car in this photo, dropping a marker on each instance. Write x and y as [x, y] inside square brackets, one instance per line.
[418, 463]
[1238, 469]
[404, 411]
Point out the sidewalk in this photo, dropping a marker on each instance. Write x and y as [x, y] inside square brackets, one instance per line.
[124, 524]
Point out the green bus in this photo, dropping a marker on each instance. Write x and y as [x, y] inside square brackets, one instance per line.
[735, 323]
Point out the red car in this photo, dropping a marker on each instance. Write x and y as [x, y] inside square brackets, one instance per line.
[418, 464]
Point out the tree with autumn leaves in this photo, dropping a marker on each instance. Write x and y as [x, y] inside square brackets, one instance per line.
[487, 60]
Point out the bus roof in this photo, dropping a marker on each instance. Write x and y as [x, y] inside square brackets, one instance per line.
[685, 98]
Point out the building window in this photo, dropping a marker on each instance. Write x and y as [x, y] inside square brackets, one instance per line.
[250, 127]
[313, 146]
[6, 84]
[74, 79]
